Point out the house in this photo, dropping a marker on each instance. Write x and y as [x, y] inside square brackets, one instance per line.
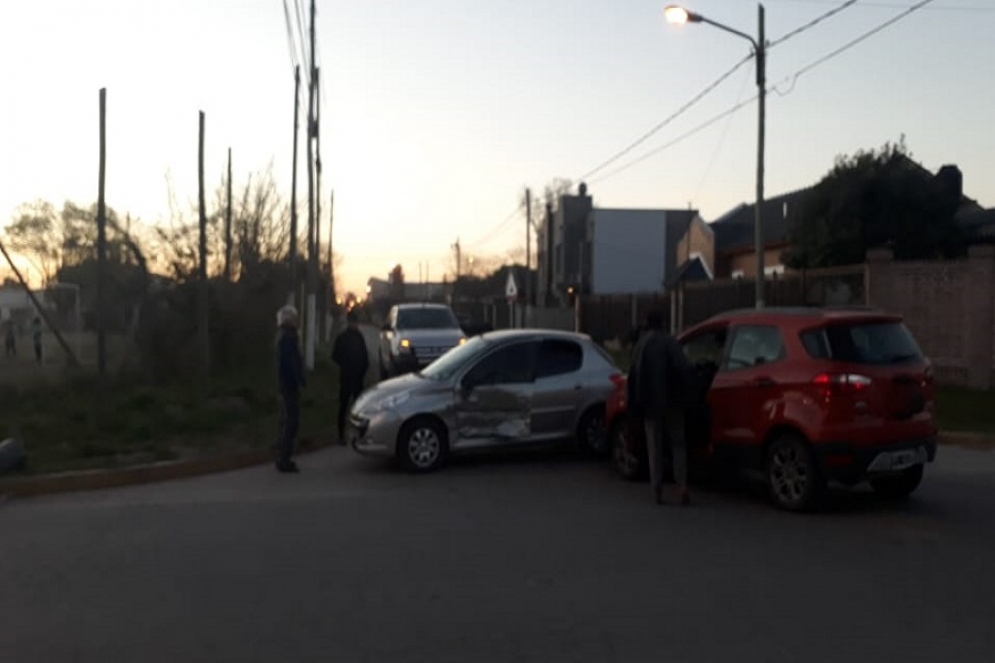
[587, 250]
[735, 245]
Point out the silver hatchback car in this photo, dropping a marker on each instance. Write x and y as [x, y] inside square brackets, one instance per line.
[501, 389]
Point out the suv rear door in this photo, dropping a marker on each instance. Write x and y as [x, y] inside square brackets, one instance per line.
[879, 375]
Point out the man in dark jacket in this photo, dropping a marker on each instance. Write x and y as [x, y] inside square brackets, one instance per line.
[353, 358]
[290, 376]
[660, 382]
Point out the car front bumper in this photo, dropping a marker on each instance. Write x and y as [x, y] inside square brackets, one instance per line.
[850, 464]
[374, 434]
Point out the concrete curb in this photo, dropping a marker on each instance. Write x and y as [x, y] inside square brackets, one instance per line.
[976, 441]
[140, 474]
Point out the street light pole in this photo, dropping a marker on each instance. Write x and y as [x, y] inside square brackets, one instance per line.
[679, 15]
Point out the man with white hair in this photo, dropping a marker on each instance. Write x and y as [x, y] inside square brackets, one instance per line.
[290, 375]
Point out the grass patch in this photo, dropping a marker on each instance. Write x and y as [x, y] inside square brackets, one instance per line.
[68, 426]
[960, 409]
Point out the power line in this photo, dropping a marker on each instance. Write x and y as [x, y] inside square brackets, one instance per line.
[850, 44]
[495, 230]
[792, 78]
[892, 5]
[682, 137]
[290, 36]
[680, 111]
[811, 24]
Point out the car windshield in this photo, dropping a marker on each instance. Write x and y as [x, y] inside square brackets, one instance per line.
[872, 343]
[426, 318]
[446, 366]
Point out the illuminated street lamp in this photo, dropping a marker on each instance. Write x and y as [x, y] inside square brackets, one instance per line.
[679, 16]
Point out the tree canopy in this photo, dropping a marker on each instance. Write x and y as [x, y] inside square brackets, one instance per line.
[876, 198]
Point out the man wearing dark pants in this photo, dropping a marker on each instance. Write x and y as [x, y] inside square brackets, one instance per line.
[659, 383]
[290, 375]
[353, 359]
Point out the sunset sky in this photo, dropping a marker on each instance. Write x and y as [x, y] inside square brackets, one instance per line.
[438, 113]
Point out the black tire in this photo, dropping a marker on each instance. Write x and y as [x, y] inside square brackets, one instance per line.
[794, 479]
[592, 434]
[898, 486]
[422, 445]
[630, 466]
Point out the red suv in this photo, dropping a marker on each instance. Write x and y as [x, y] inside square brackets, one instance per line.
[805, 396]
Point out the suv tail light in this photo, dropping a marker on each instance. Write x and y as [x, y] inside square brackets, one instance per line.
[851, 383]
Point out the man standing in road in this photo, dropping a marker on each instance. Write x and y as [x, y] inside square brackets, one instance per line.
[353, 358]
[659, 380]
[290, 375]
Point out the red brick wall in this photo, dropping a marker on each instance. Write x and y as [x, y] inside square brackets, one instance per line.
[948, 305]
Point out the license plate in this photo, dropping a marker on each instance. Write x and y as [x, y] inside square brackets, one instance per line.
[902, 460]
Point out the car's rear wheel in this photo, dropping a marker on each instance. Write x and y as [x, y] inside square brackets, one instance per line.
[794, 480]
[591, 432]
[898, 486]
[422, 445]
[629, 464]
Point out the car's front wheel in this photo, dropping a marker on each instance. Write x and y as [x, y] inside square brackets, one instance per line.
[794, 480]
[898, 486]
[422, 445]
[591, 432]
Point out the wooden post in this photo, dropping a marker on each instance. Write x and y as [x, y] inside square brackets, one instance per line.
[311, 275]
[293, 192]
[204, 337]
[228, 225]
[102, 243]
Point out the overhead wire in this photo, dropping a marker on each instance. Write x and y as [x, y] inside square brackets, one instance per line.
[495, 231]
[792, 79]
[660, 125]
[814, 22]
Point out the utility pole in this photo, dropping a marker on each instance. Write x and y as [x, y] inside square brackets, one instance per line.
[293, 193]
[758, 235]
[331, 267]
[319, 328]
[203, 335]
[102, 244]
[228, 225]
[311, 276]
[528, 256]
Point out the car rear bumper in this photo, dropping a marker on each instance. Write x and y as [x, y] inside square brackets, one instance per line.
[849, 463]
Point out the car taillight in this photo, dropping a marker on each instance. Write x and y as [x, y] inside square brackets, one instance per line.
[842, 382]
[617, 380]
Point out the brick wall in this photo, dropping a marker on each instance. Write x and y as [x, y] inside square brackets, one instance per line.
[948, 305]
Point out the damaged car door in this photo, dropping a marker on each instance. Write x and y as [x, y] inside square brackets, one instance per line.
[493, 400]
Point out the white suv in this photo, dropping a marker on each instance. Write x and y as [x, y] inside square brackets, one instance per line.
[415, 335]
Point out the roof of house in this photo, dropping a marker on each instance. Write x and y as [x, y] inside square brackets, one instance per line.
[694, 269]
[734, 230]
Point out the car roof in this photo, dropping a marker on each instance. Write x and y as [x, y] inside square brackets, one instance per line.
[538, 334]
[804, 314]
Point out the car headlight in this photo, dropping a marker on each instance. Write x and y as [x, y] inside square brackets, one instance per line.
[462, 340]
[390, 402]
[404, 345]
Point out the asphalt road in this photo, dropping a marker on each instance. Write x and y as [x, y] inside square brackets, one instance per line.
[542, 557]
